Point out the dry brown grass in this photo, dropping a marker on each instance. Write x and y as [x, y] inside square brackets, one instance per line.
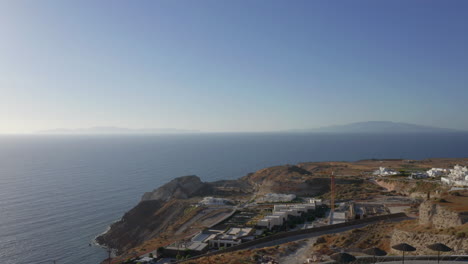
[247, 256]
[376, 235]
[456, 201]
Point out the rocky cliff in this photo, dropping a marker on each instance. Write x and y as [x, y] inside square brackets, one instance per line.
[291, 179]
[179, 188]
[439, 216]
[415, 189]
[163, 209]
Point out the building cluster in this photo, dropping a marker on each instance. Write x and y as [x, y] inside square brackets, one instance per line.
[277, 198]
[382, 171]
[283, 212]
[348, 211]
[432, 173]
[208, 239]
[458, 176]
[436, 172]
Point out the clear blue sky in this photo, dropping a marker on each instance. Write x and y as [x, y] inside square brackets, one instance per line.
[232, 65]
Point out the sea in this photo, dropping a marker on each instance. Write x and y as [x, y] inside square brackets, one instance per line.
[57, 193]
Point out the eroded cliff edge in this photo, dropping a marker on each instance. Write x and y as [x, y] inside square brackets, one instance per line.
[163, 209]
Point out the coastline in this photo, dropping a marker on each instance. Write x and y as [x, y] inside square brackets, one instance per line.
[304, 179]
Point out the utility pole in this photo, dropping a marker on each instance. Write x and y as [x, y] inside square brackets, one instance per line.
[332, 197]
[109, 251]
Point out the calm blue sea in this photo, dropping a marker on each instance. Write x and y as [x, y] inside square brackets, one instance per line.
[58, 192]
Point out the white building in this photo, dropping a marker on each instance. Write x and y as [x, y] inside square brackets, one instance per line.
[340, 217]
[283, 215]
[458, 176]
[214, 201]
[281, 212]
[316, 202]
[436, 172]
[418, 175]
[265, 223]
[382, 171]
[278, 197]
[276, 220]
[234, 236]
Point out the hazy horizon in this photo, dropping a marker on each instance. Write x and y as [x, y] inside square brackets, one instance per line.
[378, 127]
[231, 66]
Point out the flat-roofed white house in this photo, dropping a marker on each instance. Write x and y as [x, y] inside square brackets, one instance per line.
[276, 220]
[458, 176]
[283, 215]
[382, 171]
[418, 175]
[207, 201]
[436, 172]
[339, 217]
[265, 222]
[234, 236]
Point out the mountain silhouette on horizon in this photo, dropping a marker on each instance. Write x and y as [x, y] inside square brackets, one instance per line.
[379, 127]
[115, 130]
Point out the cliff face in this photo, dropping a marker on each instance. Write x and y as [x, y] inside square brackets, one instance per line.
[144, 221]
[179, 188]
[421, 240]
[163, 209]
[439, 216]
[156, 212]
[415, 189]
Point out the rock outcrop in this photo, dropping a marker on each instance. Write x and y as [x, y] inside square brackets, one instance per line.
[438, 216]
[179, 188]
[161, 210]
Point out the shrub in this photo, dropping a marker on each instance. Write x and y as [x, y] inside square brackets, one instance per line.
[321, 240]
[460, 235]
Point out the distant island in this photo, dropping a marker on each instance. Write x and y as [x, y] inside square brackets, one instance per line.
[369, 127]
[378, 127]
[116, 130]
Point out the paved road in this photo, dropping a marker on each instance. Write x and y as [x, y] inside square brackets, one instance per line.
[422, 259]
[424, 262]
[320, 233]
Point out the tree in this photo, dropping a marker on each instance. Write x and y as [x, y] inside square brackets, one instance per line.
[160, 251]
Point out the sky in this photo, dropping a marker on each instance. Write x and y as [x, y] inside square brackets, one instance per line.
[239, 65]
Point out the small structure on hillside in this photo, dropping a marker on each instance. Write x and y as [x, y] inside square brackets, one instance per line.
[316, 202]
[418, 175]
[436, 172]
[382, 171]
[210, 201]
[458, 176]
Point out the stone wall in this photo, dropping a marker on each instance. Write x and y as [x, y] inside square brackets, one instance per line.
[439, 217]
